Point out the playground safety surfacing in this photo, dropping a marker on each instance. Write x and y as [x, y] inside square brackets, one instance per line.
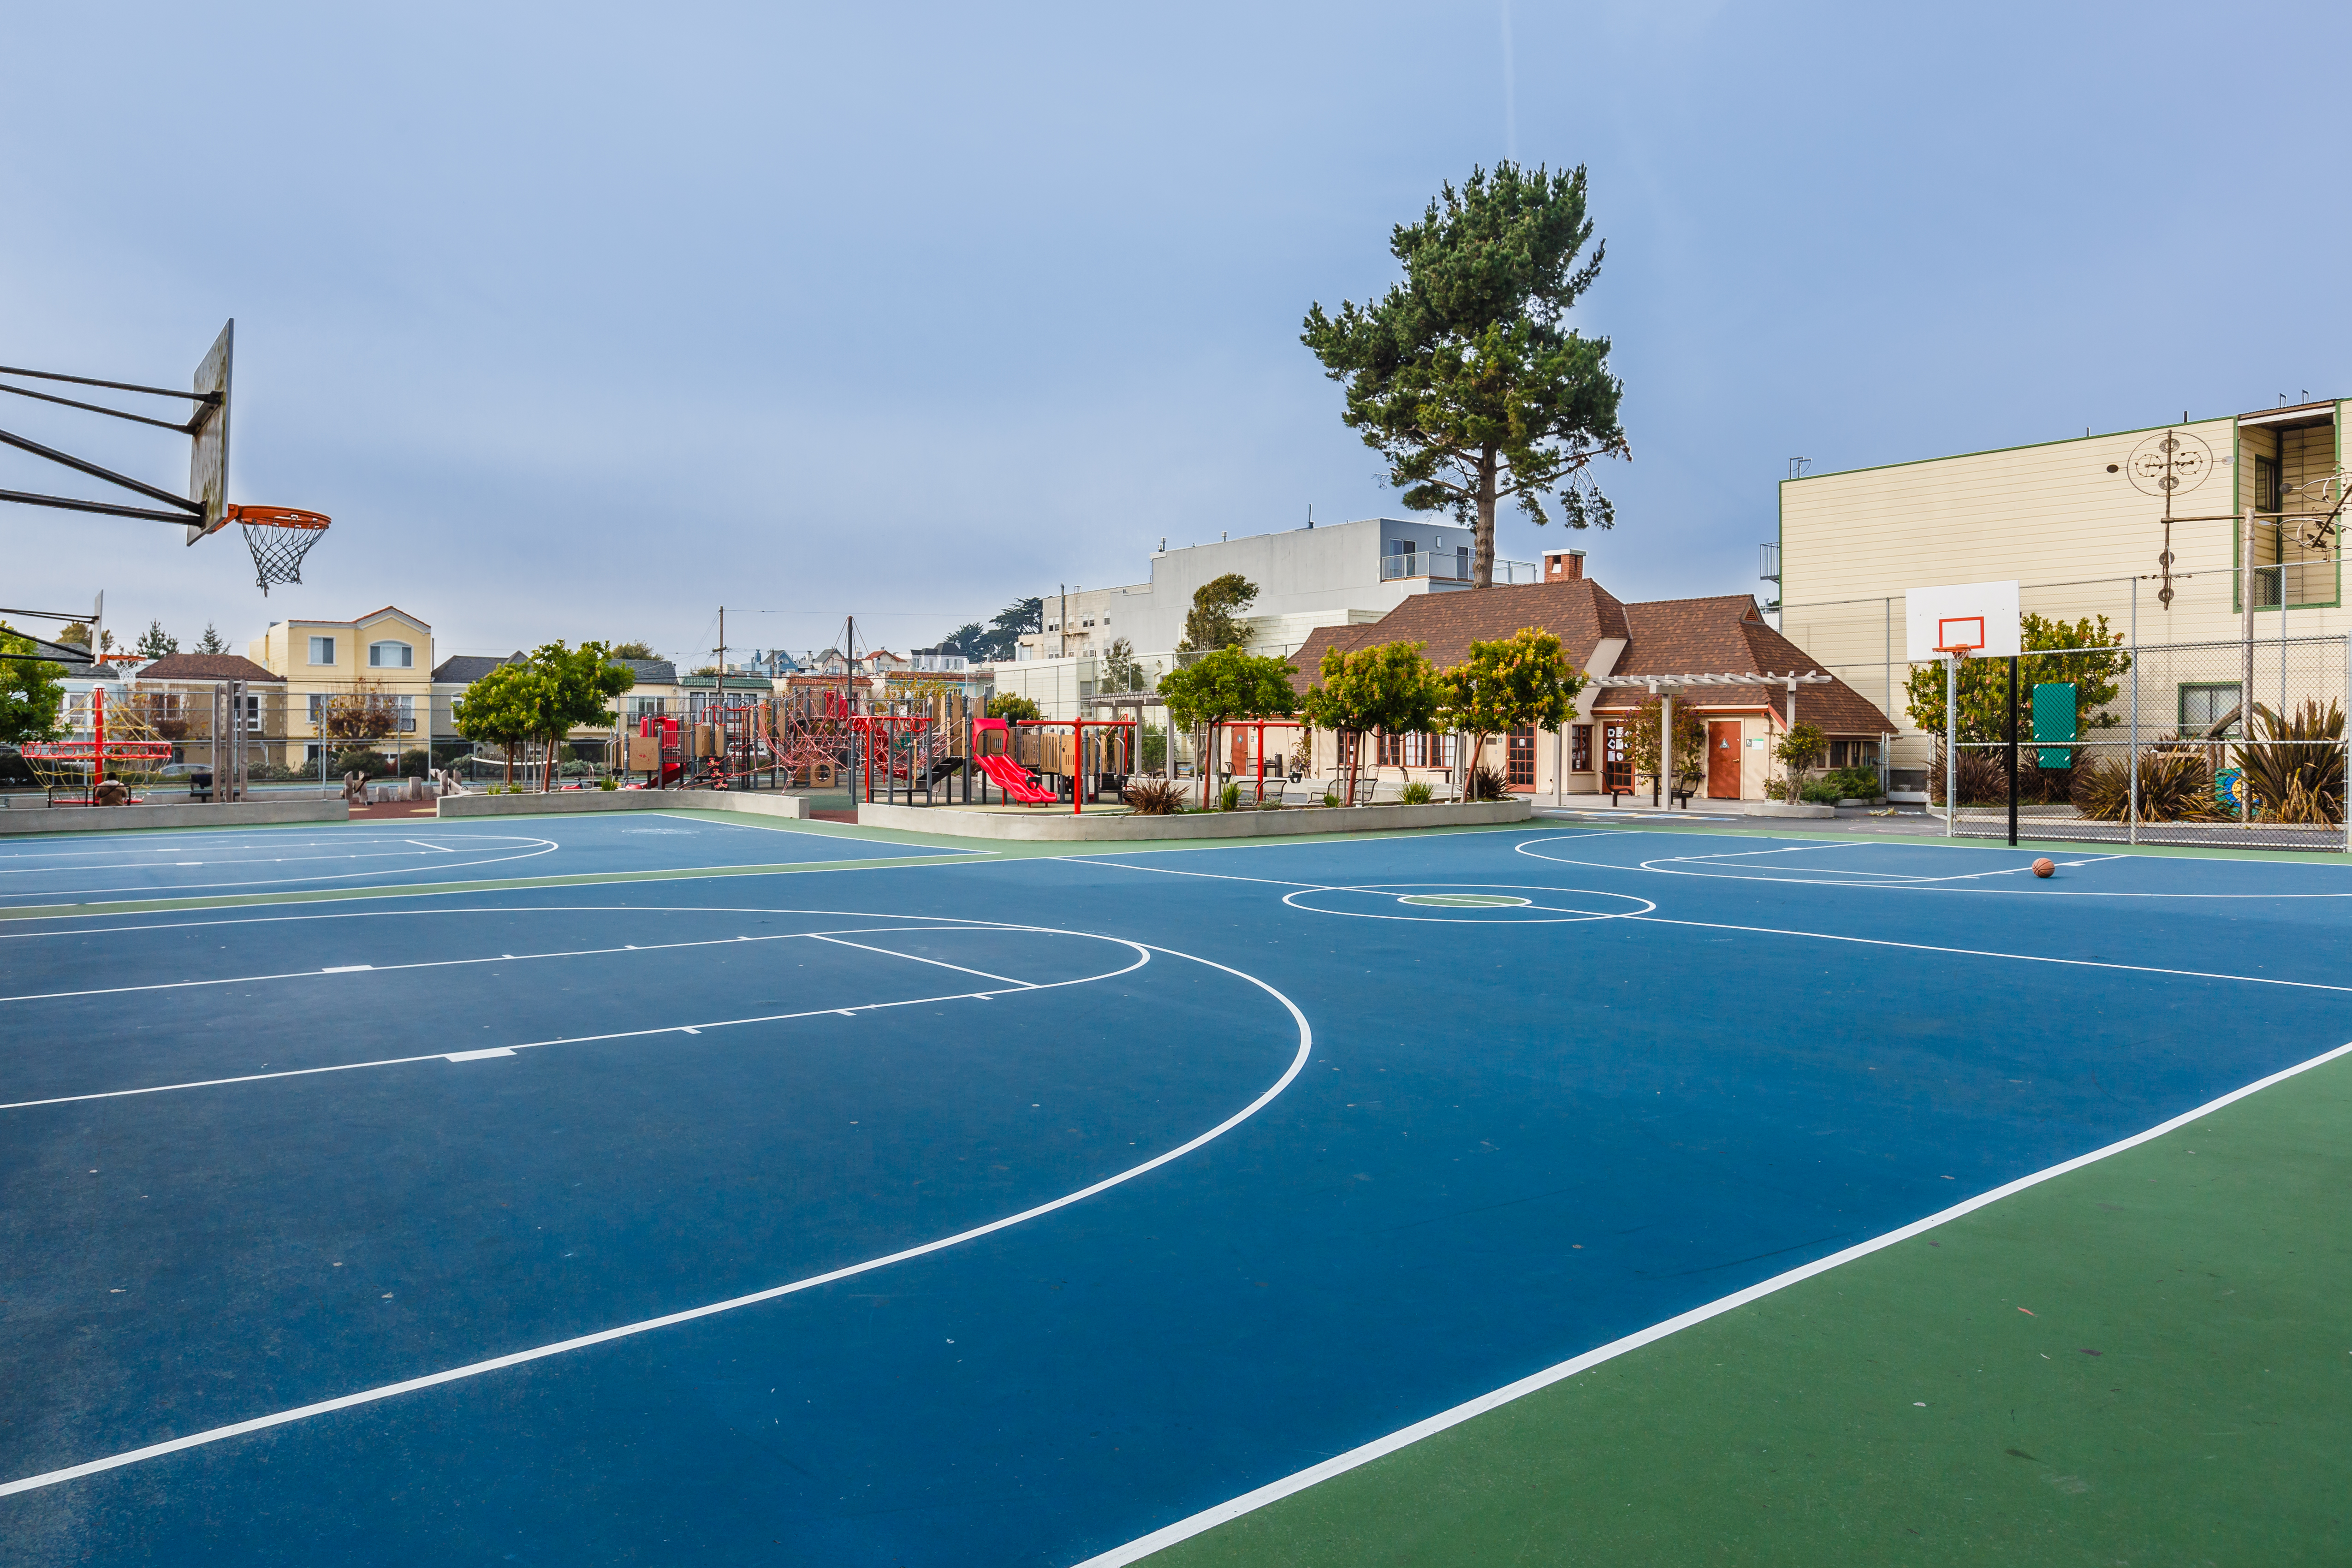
[662, 1190]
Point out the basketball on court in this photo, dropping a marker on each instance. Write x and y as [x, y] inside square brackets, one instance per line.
[2044, 867]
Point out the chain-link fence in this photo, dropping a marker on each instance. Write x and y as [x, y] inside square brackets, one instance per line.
[2219, 744]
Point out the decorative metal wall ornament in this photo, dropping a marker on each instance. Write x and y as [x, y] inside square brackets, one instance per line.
[2167, 465]
[2318, 530]
[2170, 464]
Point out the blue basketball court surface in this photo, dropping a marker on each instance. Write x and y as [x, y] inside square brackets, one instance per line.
[993, 1211]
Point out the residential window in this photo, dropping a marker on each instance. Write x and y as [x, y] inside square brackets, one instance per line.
[1519, 758]
[390, 655]
[318, 707]
[323, 650]
[407, 707]
[1854, 753]
[2206, 705]
[1579, 748]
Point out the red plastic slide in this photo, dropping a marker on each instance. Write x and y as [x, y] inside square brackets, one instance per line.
[1013, 780]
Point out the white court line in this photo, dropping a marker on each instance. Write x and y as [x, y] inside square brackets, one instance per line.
[1211, 875]
[1987, 952]
[888, 953]
[1250, 1502]
[519, 1358]
[457, 963]
[181, 889]
[1019, 987]
[1660, 867]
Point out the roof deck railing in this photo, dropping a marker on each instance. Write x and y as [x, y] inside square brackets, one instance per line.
[1450, 566]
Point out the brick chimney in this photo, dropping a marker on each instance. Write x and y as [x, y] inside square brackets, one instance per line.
[1563, 566]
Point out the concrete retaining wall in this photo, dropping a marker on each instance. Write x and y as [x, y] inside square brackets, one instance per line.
[183, 814]
[558, 802]
[1047, 826]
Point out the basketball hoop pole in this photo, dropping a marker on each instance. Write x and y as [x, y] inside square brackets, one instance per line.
[1951, 743]
[2013, 751]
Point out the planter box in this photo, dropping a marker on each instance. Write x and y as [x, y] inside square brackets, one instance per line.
[565, 803]
[1048, 825]
[182, 814]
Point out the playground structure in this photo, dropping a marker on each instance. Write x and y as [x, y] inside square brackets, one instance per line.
[76, 773]
[1019, 758]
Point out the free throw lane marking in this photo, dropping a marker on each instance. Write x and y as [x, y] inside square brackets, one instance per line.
[539, 1353]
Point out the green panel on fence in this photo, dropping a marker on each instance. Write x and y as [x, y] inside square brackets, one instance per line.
[2054, 720]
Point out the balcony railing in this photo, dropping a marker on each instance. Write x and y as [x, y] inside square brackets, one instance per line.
[1770, 568]
[1450, 566]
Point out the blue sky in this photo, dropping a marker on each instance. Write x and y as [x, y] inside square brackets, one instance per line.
[584, 320]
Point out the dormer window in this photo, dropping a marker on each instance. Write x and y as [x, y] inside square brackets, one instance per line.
[390, 655]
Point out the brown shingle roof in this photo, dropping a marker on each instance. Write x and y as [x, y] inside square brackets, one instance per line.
[1727, 636]
[207, 667]
[1724, 634]
[1580, 612]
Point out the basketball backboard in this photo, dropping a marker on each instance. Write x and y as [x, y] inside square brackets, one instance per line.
[208, 457]
[1976, 619]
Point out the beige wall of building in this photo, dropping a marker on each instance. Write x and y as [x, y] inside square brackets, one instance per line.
[388, 653]
[2066, 520]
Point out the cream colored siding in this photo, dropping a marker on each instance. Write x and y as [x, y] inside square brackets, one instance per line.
[2052, 518]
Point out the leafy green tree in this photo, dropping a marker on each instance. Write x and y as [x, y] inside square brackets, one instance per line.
[155, 642]
[499, 709]
[1010, 623]
[630, 650]
[1214, 620]
[1690, 744]
[1121, 671]
[32, 691]
[970, 640]
[212, 641]
[569, 687]
[1224, 685]
[1464, 377]
[1526, 678]
[1801, 751]
[2085, 653]
[1011, 707]
[1391, 687]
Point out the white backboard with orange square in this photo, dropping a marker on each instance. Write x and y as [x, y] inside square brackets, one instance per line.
[1977, 618]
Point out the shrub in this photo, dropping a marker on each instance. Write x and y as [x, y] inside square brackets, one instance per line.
[1858, 783]
[1485, 783]
[608, 784]
[1416, 793]
[1984, 777]
[358, 760]
[2294, 766]
[1819, 792]
[2174, 786]
[1330, 797]
[416, 764]
[1152, 797]
[1230, 797]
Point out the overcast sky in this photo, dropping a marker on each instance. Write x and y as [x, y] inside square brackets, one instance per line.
[583, 321]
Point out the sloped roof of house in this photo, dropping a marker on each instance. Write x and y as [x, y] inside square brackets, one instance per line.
[1726, 634]
[1580, 612]
[651, 671]
[207, 667]
[469, 667]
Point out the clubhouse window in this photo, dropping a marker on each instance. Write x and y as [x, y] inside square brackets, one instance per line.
[323, 650]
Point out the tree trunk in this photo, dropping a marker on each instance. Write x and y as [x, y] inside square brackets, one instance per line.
[1482, 555]
[510, 764]
[547, 773]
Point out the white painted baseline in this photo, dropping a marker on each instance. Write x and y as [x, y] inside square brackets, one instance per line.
[1250, 1502]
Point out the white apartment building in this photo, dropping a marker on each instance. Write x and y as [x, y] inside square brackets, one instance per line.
[1332, 575]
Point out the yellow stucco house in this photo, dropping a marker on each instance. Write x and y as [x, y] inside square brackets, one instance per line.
[382, 661]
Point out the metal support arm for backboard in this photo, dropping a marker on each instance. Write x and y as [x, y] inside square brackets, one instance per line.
[206, 506]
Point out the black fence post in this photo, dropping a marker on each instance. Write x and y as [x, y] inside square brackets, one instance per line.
[2013, 751]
